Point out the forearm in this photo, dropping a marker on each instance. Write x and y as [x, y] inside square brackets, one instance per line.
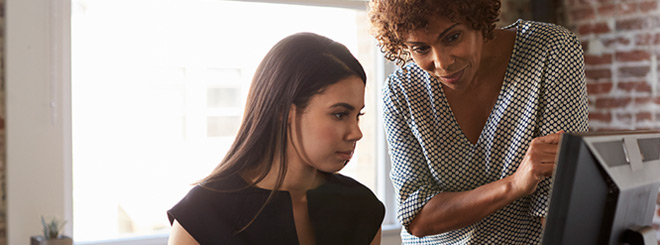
[453, 210]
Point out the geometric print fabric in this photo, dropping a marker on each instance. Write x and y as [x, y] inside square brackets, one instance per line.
[543, 91]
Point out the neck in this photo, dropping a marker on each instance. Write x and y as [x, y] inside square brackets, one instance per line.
[298, 177]
[496, 53]
[301, 178]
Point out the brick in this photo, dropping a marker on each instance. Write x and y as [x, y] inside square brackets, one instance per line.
[593, 2]
[625, 117]
[633, 71]
[626, 8]
[612, 128]
[600, 116]
[608, 103]
[616, 42]
[649, 6]
[598, 73]
[586, 13]
[595, 28]
[599, 88]
[643, 116]
[584, 29]
[600, 28]
[638, 86]
[634, 55]
[606, 10]
[617, 10]
[631, 24]
[647, 39]
[642, 101]
[598, 59]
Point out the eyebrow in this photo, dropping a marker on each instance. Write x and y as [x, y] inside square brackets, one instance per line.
[442, 34]
[345, 105]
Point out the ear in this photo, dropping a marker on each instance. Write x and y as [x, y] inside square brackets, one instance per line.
[292, 113]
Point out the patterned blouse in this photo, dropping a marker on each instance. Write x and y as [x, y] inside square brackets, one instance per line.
[543, 91]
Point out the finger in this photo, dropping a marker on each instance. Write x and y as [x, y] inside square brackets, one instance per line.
[542, 154]
[548, 148]
[551, 138]
[546, 169]
[548, 139]
[539, 147]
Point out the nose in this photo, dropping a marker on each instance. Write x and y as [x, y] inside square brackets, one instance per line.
[354, 133]
[442, 59]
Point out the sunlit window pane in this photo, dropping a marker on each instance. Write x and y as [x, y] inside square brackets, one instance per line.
[158, 93]
[222, 126]
[223, 97]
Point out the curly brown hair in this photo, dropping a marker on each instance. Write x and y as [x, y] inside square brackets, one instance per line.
[393, 20]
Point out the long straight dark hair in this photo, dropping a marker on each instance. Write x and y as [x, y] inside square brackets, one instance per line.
[295, 69]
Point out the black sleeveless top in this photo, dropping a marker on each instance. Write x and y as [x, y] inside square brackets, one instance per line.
[341, 210]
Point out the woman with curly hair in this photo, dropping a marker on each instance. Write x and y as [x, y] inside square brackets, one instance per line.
[278, 182]
[473, 117]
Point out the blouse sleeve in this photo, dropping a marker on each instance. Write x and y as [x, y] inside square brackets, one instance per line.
[206, 215]
[411, 177]
[563, 101]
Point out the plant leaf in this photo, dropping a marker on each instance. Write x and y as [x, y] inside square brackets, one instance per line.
[45, 227]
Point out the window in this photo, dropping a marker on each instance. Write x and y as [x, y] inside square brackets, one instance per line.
[158, 89]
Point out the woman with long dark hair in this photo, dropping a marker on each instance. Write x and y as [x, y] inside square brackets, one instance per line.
[278, 182]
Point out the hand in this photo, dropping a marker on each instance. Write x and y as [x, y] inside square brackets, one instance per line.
[538, 163]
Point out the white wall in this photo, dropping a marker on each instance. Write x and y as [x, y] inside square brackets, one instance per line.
[38, 123]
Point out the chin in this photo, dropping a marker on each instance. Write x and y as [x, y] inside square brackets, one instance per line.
[333, 169]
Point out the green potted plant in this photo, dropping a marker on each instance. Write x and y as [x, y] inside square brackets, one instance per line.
[51, 233]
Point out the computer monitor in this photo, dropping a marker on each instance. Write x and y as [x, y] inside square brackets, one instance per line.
[605, 189]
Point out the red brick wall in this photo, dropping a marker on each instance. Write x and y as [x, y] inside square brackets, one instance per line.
[621, 40]
[622, 45]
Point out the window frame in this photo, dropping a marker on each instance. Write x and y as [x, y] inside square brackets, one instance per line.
[38, 125]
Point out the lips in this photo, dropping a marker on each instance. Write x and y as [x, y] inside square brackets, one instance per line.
[453, 78]
[345, 155]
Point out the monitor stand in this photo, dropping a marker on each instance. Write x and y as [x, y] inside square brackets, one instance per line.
[639, 235]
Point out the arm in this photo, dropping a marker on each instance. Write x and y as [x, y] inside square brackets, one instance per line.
[376, 240]
[179, 236]
[452, 210]
[413, 184]
[563, 104]
[424, 208]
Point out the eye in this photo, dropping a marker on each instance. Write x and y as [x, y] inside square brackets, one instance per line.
[359, 115]
[452, 38]
[340, 115]
[420, 49]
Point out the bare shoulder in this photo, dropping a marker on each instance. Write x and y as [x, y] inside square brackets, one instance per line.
[179, 236]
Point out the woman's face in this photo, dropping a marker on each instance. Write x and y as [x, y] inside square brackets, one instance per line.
[323, 136]
[449, 51]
